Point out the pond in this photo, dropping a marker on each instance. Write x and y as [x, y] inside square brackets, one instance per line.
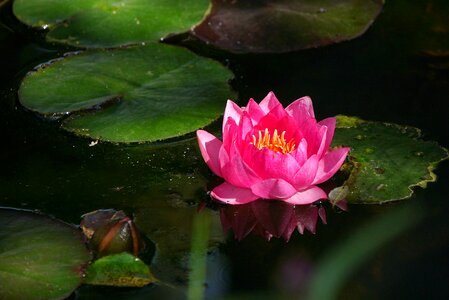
[396, 72]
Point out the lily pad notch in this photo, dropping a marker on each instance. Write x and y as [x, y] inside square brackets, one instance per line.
[136, 94]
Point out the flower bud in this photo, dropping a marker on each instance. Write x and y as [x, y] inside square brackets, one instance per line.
[110, 232]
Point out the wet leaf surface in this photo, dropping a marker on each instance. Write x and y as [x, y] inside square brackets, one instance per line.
[122, 269]
[283, 26]
[387, 160]
[40, 257]
[137, 94]
[104, 23]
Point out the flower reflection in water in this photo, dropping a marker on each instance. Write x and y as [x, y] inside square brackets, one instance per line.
[270, 218]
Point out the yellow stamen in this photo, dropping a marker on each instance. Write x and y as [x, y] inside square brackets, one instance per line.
[277, 143]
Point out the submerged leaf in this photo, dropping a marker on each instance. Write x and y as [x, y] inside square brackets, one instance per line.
[136, 94]
[103, 23]
[282, 26]
[121, 269]
[40, 257]
[387, 160]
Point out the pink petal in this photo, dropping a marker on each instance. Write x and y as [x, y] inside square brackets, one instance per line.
[210, 147]
[330, 124]
[278, 118]
[245, 126]
[288, 124]
[269, 164]
[300, 153]
[227, 193]
[230, 134]
[306, 174]
[223, 158]
[254, 111]
[237, 172]
[307, 196]
[232, 111]
[269, 103]
[301, 109]
[330, 164]
[322, 135]
[312, 133]
[273, 189]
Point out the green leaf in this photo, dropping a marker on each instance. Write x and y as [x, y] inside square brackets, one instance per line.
[386, 160]
[107, 23]
[281, 26]
[40, 257]
[130, 95]
[121, 269]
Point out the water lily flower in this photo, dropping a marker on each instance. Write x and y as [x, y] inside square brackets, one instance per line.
[272, 152]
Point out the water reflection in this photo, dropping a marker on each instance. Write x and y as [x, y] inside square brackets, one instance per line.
[270, 218]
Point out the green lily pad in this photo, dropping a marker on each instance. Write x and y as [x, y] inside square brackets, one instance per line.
[136, 94]
[40, 257]
[106, 23]
[386, 160]
[282, 26]
[121, 269]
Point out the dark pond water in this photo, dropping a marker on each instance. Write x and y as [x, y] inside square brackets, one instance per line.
[397, 72]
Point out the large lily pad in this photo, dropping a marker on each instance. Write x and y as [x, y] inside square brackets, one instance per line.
[40, 257]
[121, 269]
[130, 95]
[107, 23]
[387, 160]
[285, 25]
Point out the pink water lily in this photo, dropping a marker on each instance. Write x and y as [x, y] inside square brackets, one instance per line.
[269, 152]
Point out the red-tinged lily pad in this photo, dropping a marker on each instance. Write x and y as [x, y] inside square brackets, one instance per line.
[40, 257]
[136, 94]
[386, 161]
[100, 23]
[283, 26]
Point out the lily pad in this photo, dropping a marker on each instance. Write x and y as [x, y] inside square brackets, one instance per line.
[106, 23]
[121, 269]
[136, 94]
[386, 160]
[285, 25]
[40, 257]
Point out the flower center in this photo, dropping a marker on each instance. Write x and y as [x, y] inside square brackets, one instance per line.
[276, 143]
